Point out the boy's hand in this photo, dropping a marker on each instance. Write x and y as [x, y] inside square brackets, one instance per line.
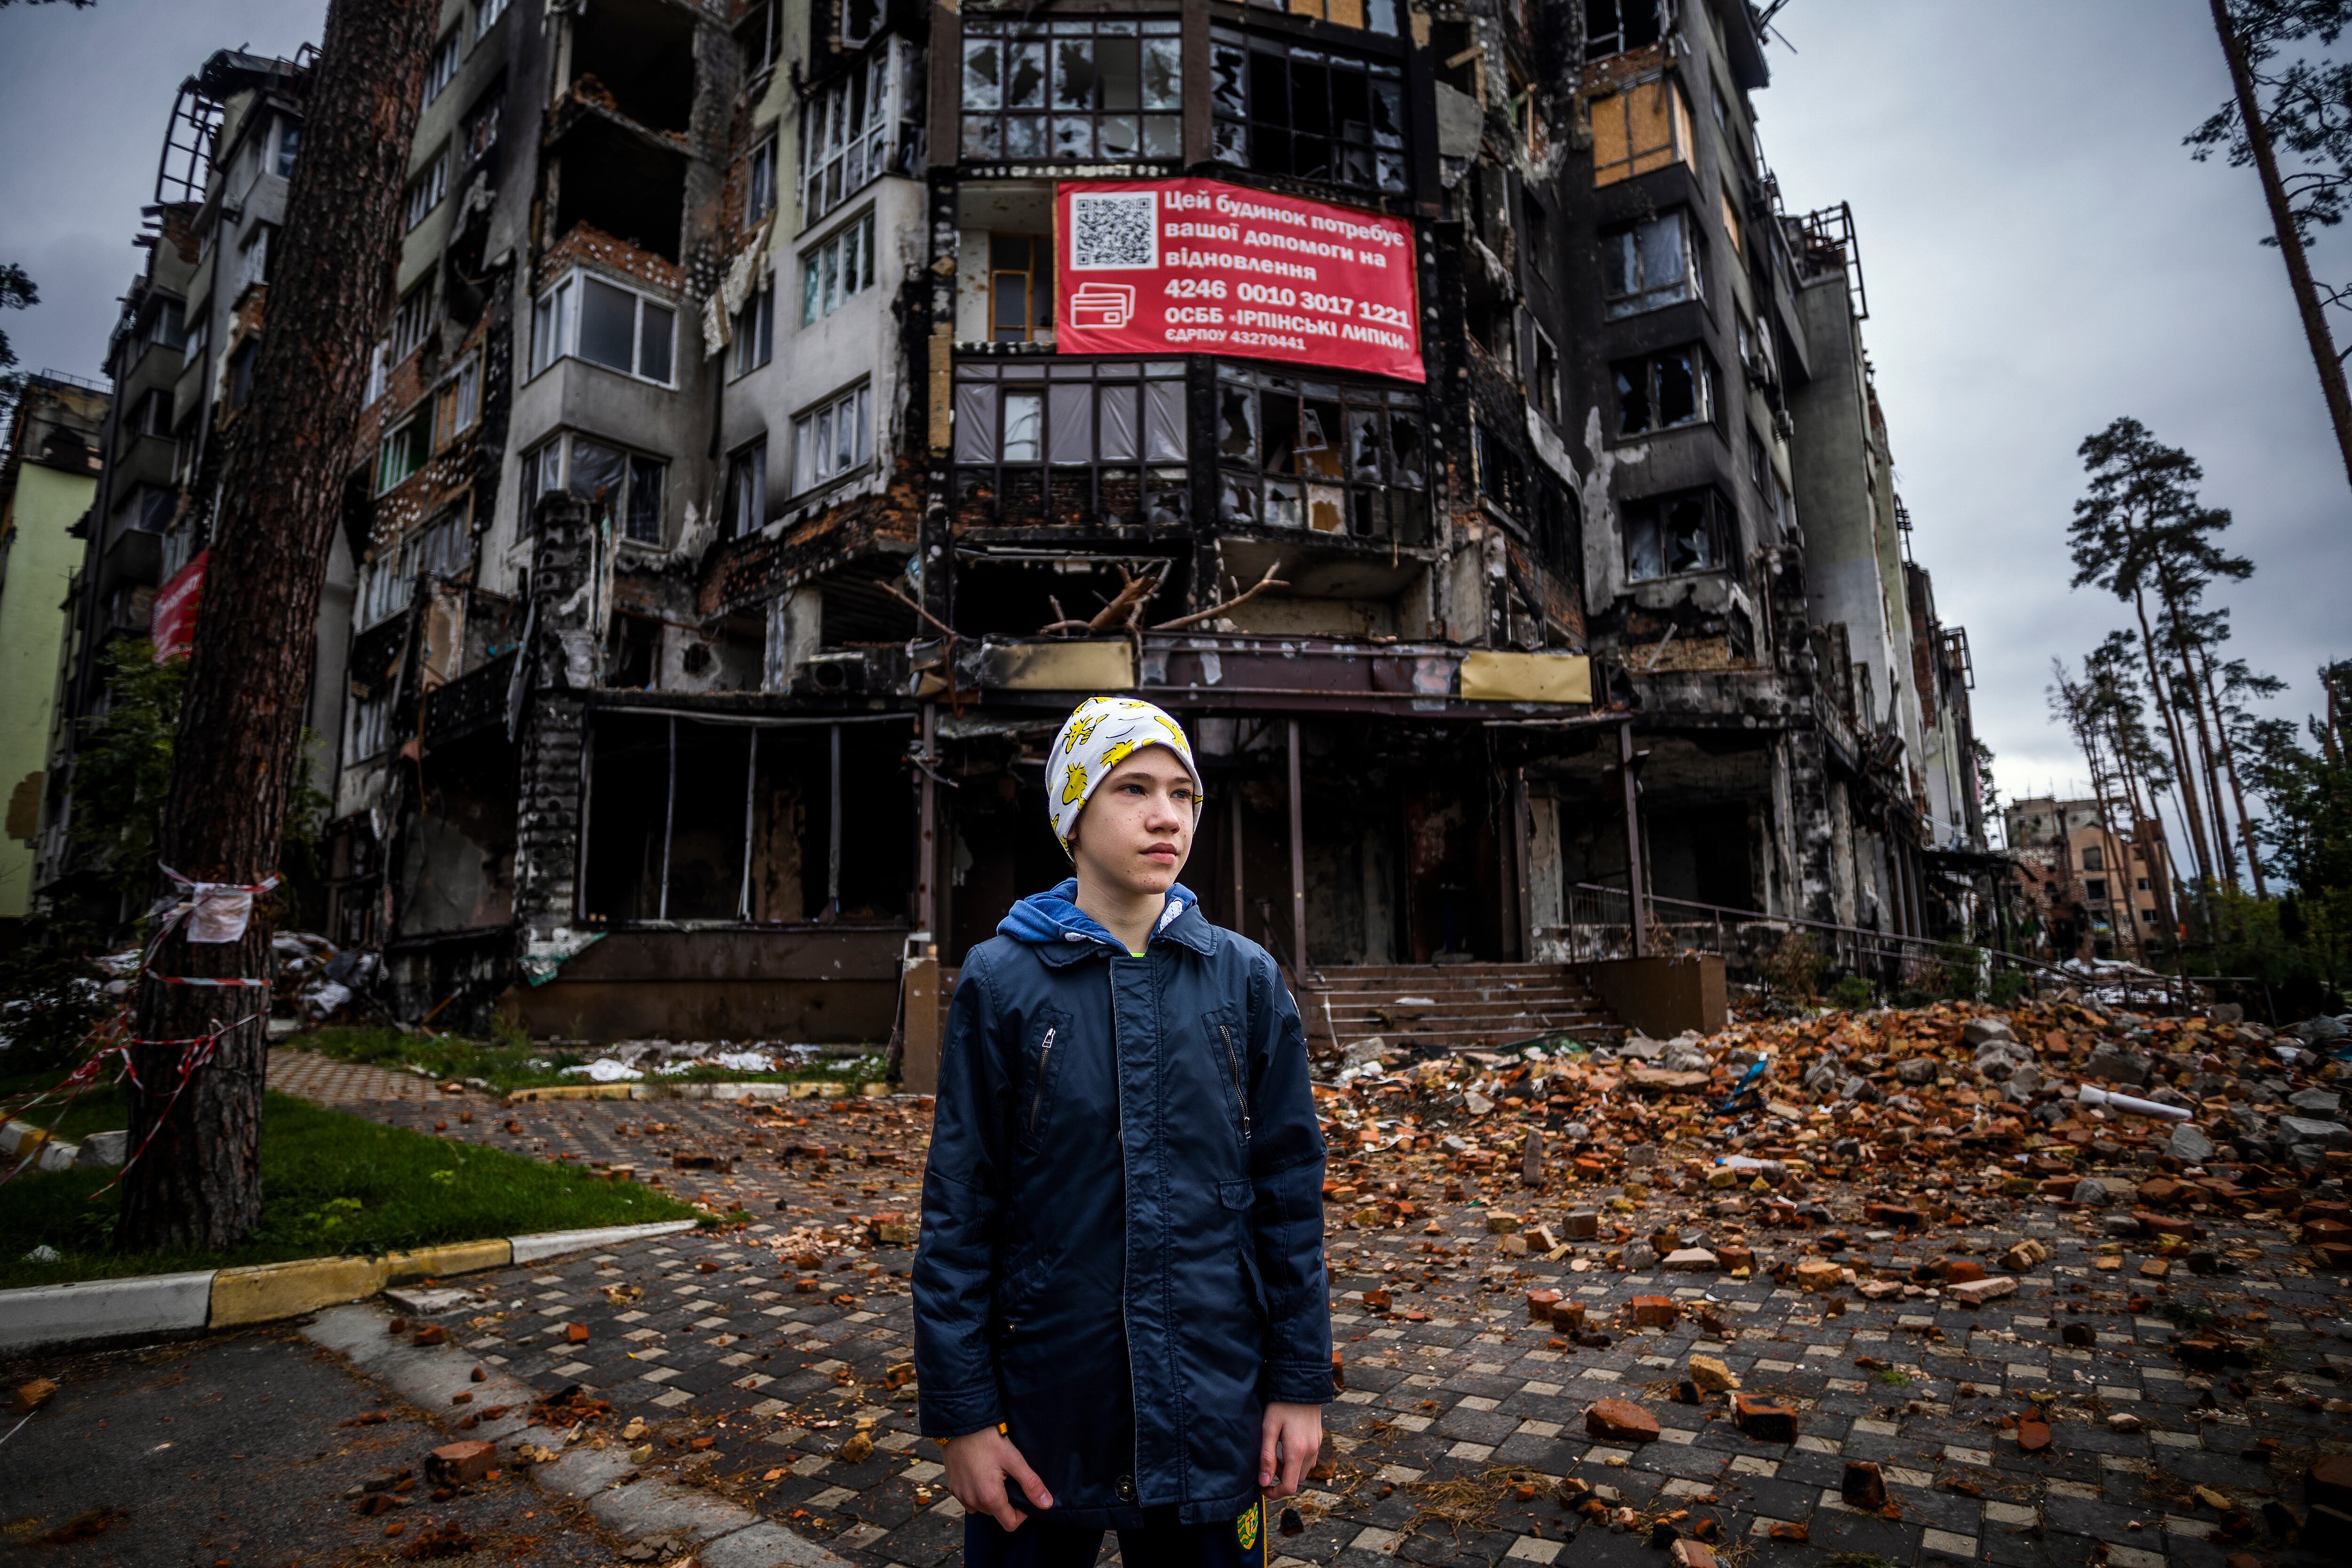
[1293, 1435]
[979, 1463]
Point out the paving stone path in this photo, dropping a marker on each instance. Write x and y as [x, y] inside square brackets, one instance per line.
[771, 1360]
[326, 1081]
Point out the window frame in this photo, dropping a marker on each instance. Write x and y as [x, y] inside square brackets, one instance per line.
[413, 433]
[746, 496]
[487, 110]
[1070, 490]
[1248, 485]
[820, 283]
[1617, 35]
[457, 401]
[1152, 127]
[563, 302]
[755, 331]
[540, 475]
[487, 13]
[1681, 136]
[815, 435]
[760, 180]
[1335, 14]
[1544, 377]
[426, 191]
[836, 160]
[1235, 123]
[441, 65]
[286, 145]
[412, 322]
[1719, 521]
[1037, 323]
[1706, 393]
[1644, 297]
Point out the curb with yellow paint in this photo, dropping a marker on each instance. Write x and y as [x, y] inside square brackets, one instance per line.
[60, 1317]
[796, 1089]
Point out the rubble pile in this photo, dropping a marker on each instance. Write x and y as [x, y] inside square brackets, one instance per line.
[317, 981]
[1764, 1148]
[628, 1061]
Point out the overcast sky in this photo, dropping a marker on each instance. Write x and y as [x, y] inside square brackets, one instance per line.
[2041, 256]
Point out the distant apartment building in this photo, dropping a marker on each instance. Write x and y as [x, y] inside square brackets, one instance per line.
[2099, 893]
[788, 409]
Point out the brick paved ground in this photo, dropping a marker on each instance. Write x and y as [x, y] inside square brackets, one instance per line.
[330, 1082]
[773, 1346]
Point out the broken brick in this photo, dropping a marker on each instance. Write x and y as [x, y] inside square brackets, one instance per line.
[1763, 1419]
[461, 1462]
[1621, 1421]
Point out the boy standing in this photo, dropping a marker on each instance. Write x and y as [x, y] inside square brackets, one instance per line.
[1121, 1315]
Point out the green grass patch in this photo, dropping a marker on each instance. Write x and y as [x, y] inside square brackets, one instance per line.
[99, 1109]
[1891, 1377]
[515, 1061]
[332, 1184]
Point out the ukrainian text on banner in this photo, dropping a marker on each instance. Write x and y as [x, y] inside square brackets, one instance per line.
[1201, 267]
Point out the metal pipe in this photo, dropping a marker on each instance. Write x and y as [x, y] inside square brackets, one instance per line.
[1637, 881]
[2130, 1106]
[669, 823]
[833, 837]
[928, 854]
[1297, 864]
[750, 790]
[1234, 818]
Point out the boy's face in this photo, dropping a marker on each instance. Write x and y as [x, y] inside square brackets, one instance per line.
[1136, 832]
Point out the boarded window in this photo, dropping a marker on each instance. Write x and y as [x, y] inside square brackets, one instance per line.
[1644, 127]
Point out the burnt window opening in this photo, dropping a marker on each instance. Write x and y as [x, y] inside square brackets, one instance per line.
[1075, 443]
[614, 181]
[762, 36]
[1311, 113]
[1073, 89]
[859, 21]
[1004, 593]
[1495, 326]
[1667, 536]
[626, 491]
[1651, 263]
[481, 130]
[636, 58]
[755, 330]
[1614, 27]
[691, 821]
[1670, 390]
[1543, 382]
[633, 653]
[1502, 473]
[747, 490]
[1328, 457]
[1537, 232]
[1558, 526]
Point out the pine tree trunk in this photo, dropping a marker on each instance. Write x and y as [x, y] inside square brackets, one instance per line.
[198, 1184]
[2148, 831]
[2185, 776]
[2229, 750]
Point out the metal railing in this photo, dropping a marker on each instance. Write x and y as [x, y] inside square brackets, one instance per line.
[1598, 926]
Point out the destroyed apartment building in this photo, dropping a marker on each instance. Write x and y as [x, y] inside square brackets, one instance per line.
[787, 410]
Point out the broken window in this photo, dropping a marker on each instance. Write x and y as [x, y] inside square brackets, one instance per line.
[1372, 15]
[486, 17]
[624, 490]
[833, 271]
[481, 131]
[442, 548]
[2096, 889]
[763, 37]
[1502, 473]
[1731, 220]
[1073, 88]
[1664, 391]
[1020, 288]
[1070, 442]
[832, 439]
[459, 402]
[443, 66]
[426, 191]
[604, 323]
[1668, 535]
[370, 727]
[755, 329]
[847, 130]
[859, 18]
[376, 376]
[1543, 386]
[747, 490]
[2094, 860]
[1643, 126]
[290, 145]
[760, 184]
[1328, 456]
[255, 256]
[1286, 109]
[401, 452]
[1652, 263]
[1613, 26]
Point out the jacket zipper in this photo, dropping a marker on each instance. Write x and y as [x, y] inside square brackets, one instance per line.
[1037, 1101]
[1241, 1096]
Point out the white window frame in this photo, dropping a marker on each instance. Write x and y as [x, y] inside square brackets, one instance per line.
[412, 321]
[461, 392]
[846, 252]
[286, 145]
[486, 17]
[877, 13]
[838, 160]
[818, 456]
[755, 329]
[441, 69]
[747, 471]
[415, 427]
[376, 376]
[426, 191]
[556, 319]
[759, 182]
[370, 731]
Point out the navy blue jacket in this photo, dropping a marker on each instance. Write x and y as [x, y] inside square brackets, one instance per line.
[1122, 1243]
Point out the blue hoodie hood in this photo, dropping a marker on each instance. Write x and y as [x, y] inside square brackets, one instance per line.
[1055, 916]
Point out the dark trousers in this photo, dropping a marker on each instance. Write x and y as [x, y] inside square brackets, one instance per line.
[1160, 1543]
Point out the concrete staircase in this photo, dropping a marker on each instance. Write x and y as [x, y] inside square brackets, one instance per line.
[1454, 1006]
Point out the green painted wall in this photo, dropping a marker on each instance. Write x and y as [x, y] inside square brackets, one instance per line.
[41, 559]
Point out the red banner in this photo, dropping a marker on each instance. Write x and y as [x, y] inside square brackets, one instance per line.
[1201, 266]
[172, 623]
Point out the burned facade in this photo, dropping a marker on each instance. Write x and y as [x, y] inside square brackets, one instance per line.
[789, 408]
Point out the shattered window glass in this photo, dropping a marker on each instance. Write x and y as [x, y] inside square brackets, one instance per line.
[1673, 534]
[1090, 426]
[1651, 263]
[1274, 432]
[1665, 390]
[1093, 88]
[1286, 109]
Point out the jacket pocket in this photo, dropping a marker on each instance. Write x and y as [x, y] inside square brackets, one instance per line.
[1041, 1057]
[1231, 1053]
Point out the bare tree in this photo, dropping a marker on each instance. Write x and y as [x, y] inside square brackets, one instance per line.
[198, 1184]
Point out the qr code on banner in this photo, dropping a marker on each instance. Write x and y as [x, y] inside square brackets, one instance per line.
[1119, 230]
